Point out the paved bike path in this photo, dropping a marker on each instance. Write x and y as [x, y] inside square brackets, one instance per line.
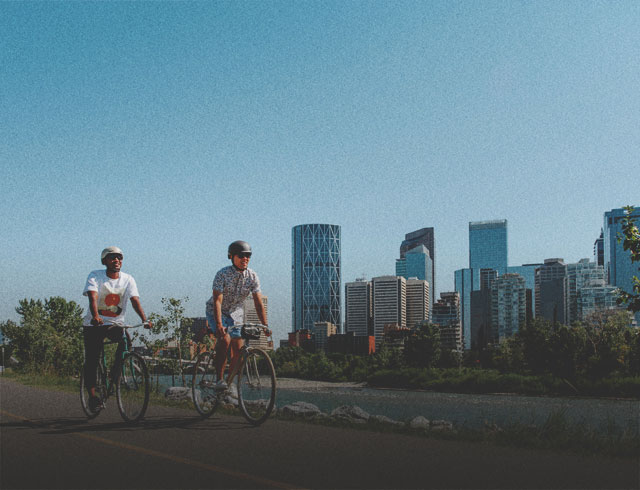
[46, 442]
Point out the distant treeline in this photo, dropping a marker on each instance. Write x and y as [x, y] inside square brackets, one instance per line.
[600, 356]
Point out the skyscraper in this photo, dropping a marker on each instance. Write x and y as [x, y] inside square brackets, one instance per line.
[426, 237]
[488, 245]
[417, 263]
[487, 253]
[315, 274]
[389, 304]
[619, 270]
[446, 314]
[508, 306]
[358, 304]
[579, 275]
[549, 290]
[417, 301]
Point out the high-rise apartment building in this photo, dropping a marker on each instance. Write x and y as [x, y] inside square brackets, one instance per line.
[508, 306]
[619, 270]
[582, 274]
[549, 290]
[417, 263]
[488, 245]
[528, 272]
[358, 307]
[446, 314]
[418, 297]
[316, 279]
[389, 304]
[426, 237]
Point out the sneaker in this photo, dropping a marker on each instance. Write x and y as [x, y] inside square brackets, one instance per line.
[221, 385]
[95, 404]
[232, 391]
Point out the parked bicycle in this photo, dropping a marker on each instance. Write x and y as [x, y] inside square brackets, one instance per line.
[256, 379]
[131, 388]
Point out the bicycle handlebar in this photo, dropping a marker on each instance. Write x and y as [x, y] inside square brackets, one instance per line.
[121, 325]
[250, 326]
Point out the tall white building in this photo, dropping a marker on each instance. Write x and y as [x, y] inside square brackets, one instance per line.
[418, 306]
[389, 304]
[358, 305]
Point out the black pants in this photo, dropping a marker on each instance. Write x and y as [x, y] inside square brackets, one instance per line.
[93, 340]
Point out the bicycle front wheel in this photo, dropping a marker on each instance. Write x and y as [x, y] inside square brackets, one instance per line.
[257, 386]
[101, 391]
[132, 388]
[205, 397]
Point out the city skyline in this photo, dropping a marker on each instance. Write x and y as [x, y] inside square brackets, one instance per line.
[171, 129]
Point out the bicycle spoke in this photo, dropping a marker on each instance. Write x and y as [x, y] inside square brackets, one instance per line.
[132, 388]
[205, 397]
[257, 386]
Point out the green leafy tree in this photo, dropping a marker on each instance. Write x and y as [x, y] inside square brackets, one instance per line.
[630, 238]
[48, 338]
[172, 328]
[423, 347]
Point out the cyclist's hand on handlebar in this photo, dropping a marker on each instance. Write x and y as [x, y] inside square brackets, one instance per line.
[96, 320]
[148, 325]
[267, 332]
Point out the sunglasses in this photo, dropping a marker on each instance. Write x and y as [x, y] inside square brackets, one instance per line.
[244, 255]
[114, 256]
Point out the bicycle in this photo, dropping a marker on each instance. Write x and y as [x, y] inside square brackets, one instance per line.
[256, 380]
[131, 388]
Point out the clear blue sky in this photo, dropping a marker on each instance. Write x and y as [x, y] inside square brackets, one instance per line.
[172, 128]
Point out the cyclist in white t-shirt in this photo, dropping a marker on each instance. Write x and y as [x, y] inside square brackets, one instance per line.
[109, 291]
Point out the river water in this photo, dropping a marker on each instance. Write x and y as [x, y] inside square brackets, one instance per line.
[466, 410]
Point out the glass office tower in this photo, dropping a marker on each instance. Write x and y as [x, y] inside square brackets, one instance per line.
[426, 237]
[315, 274]
[488, 245]
[619, 270]
[417, 263]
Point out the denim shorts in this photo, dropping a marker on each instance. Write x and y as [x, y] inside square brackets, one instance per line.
[227, 322]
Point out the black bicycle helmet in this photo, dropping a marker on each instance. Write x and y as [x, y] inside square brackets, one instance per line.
[238, 246]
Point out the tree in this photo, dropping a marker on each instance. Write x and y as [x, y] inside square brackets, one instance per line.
[48, 337]
[630, 238]
[173, 326]
[423, 347]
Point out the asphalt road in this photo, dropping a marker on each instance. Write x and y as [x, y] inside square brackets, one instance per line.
[46, 442]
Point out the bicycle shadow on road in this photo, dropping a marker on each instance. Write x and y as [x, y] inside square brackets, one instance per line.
[75, 425]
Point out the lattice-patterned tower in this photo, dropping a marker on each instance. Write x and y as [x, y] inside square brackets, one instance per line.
[315, 275]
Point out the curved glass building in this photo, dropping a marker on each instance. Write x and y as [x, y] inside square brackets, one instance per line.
[315, 275]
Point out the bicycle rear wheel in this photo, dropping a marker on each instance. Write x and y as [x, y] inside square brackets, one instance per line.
[101, 391]
[132, 388]
[205, 397]
[257, 386]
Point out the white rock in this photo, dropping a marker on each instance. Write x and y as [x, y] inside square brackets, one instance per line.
[178, 393]
[419, 422]
[441, 425]
[382, 419]
[351, 413]
[300, 409]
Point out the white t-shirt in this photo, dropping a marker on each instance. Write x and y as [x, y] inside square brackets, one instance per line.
[113, 295]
